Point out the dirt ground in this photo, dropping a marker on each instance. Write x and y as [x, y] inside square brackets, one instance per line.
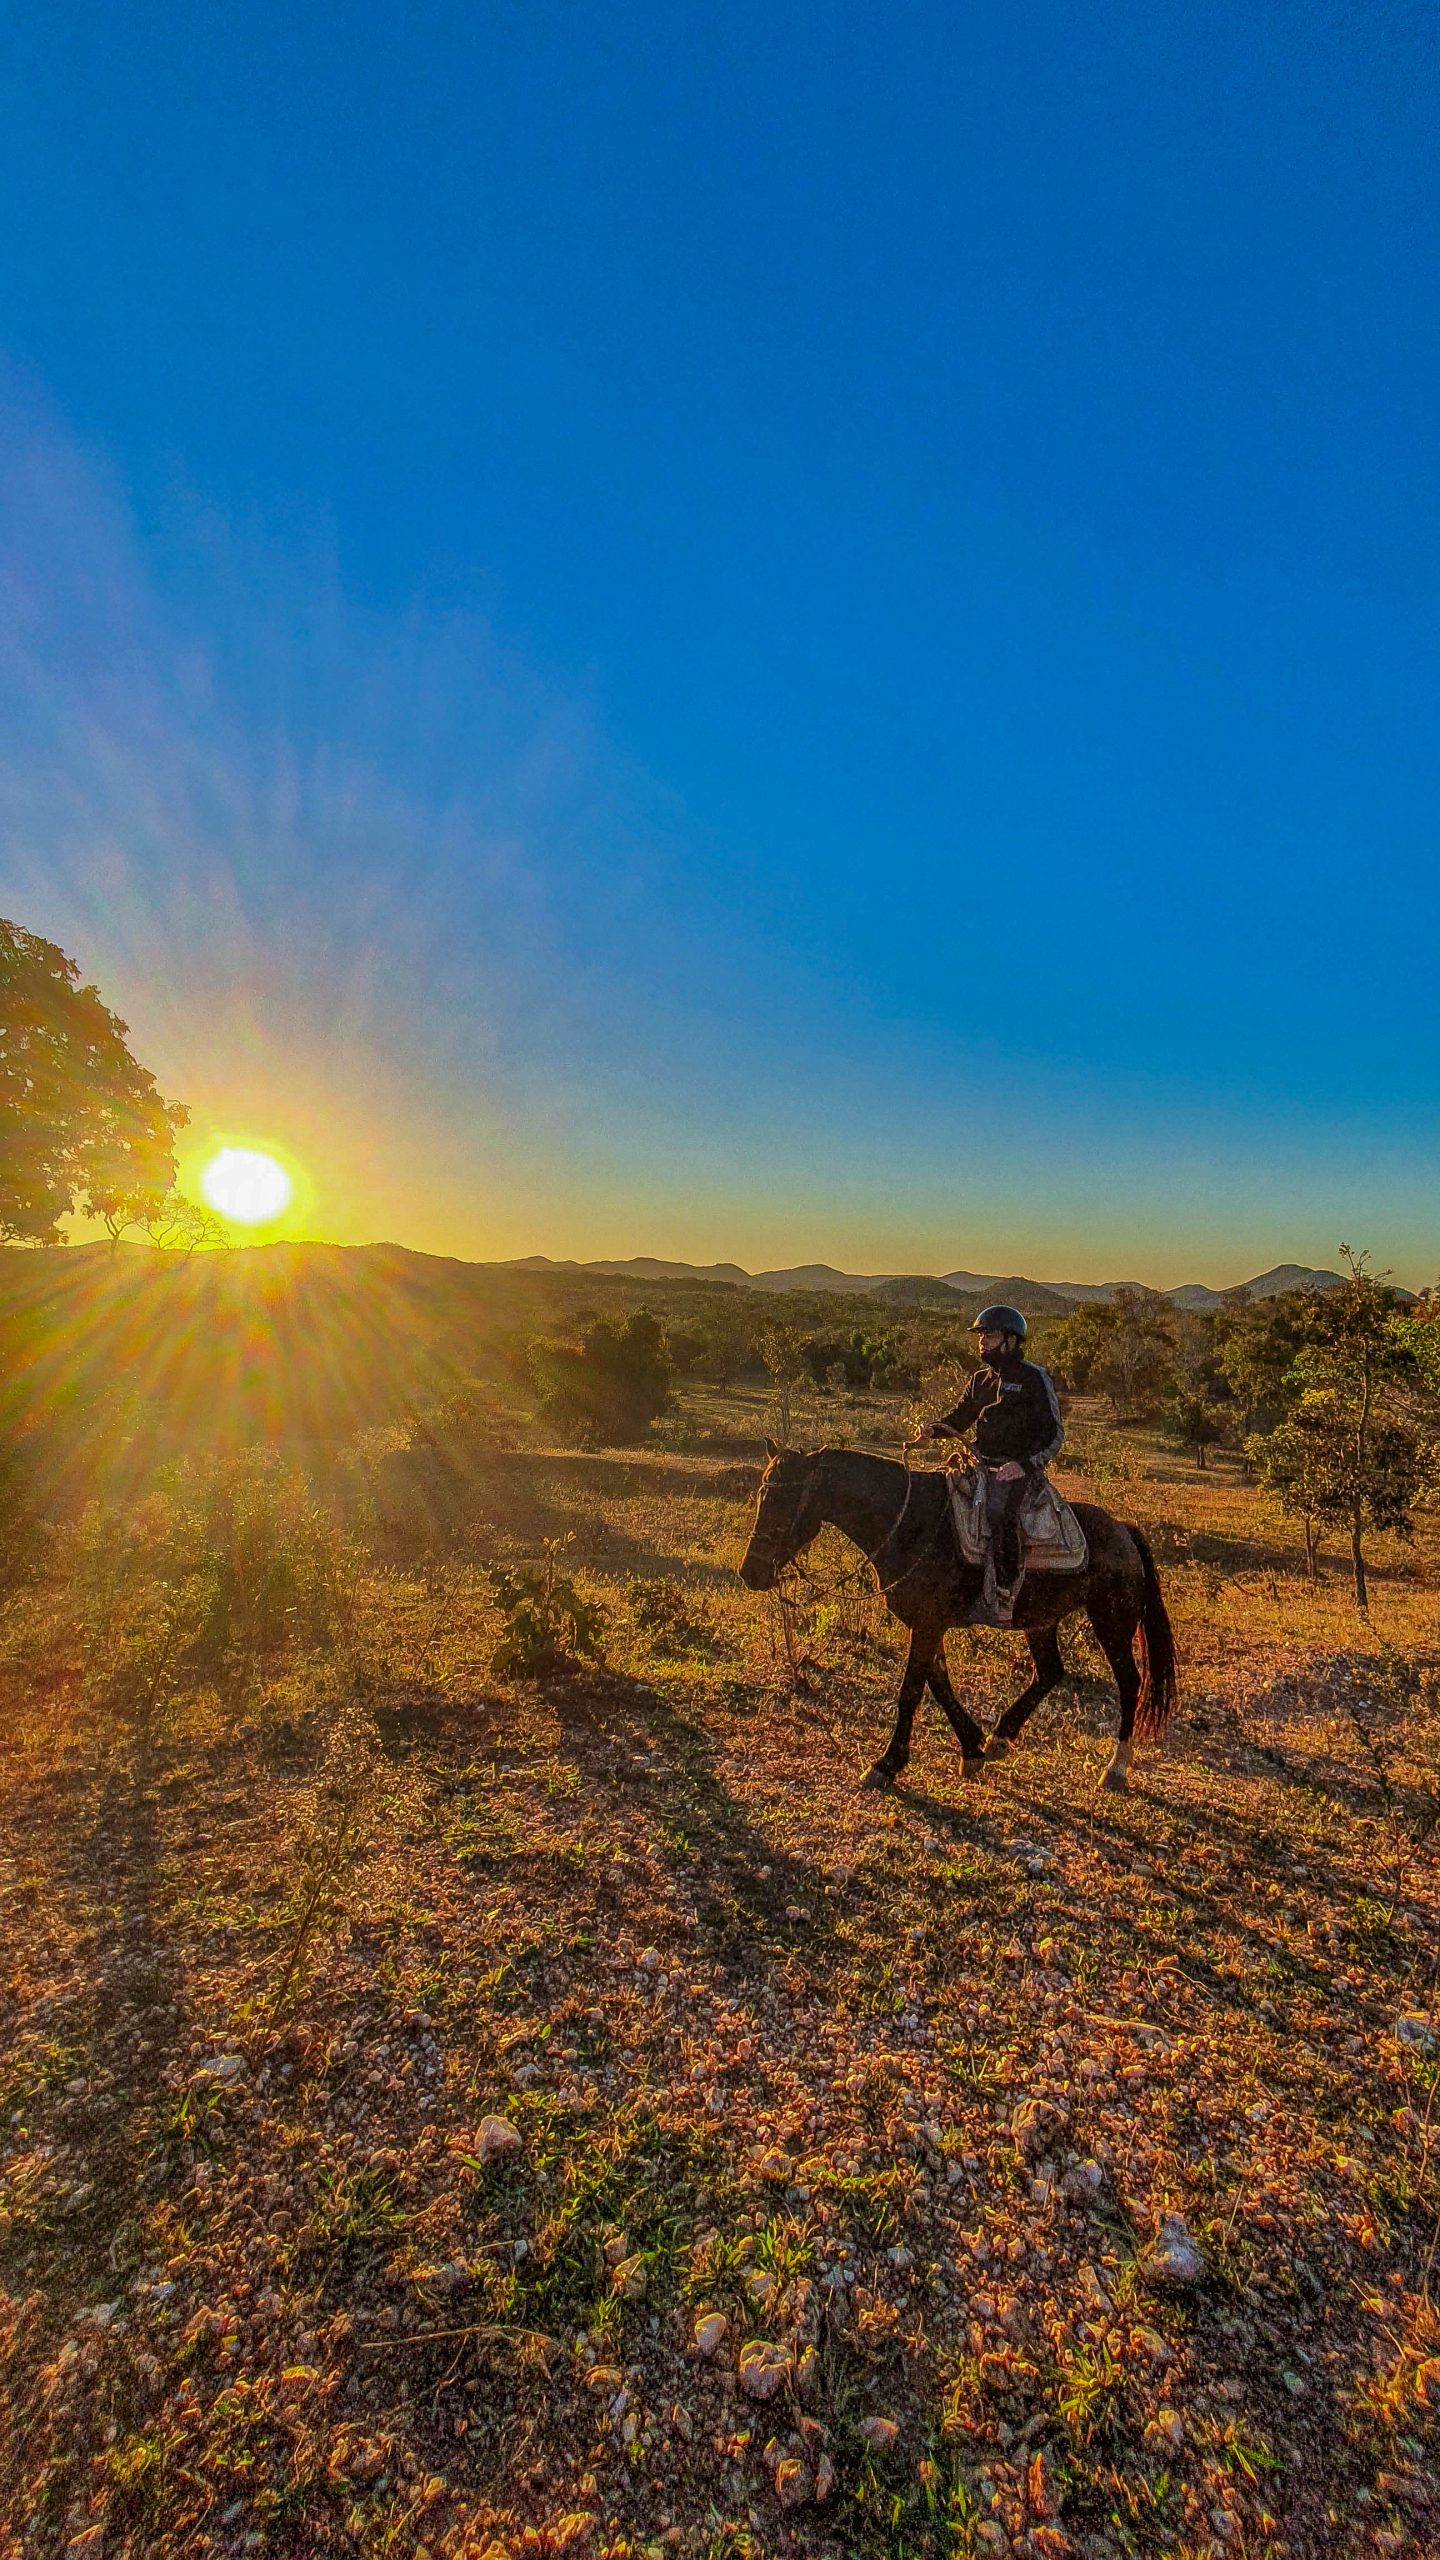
[455, 2115]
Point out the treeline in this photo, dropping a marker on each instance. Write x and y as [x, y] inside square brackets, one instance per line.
[1330, 1397]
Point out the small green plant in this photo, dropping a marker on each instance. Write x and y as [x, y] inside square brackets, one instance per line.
[549, 1625]
[1089, 2392]
[340, 1814]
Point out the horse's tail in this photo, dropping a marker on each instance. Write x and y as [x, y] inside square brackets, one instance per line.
[1157, 1689]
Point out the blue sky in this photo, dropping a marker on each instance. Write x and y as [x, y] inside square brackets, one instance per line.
[743, 631]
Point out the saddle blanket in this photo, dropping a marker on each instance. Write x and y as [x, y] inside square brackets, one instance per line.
[1051, 1538]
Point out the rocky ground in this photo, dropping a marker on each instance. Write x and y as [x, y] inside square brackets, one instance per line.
[512, 2118]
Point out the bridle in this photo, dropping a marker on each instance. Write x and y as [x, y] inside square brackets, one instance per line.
[869, 1558]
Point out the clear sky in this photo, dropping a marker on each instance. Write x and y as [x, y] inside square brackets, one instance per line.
[743, 631]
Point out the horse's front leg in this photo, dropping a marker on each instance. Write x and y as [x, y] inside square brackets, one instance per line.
[885, 1771]
[969, 1735]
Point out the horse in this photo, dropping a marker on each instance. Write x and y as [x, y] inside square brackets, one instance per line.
[899, 1518]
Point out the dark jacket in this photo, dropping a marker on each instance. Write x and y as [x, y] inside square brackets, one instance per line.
[1013, 1407]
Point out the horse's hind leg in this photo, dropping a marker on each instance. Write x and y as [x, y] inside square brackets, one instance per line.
[1115, 1627]
[885, 1770]
[1049, 1672]
[968, 1733]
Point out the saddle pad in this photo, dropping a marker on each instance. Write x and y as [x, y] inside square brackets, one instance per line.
[1051, 1538]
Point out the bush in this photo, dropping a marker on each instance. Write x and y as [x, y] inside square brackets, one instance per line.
[549, 1625]
[262, 1568]
[661, 1611]
[611, 1385]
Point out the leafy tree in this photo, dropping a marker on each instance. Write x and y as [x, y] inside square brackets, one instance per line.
[610, 1385]
[1078, 1341]
[82, 1124]
[856, 1359]
[1198, 1423]
[1309, 1465]
[1257, 1342]
[1348, 1452]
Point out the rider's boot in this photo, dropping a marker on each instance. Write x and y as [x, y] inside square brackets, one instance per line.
[1005, 1599]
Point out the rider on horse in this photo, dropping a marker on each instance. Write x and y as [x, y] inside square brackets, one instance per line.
[1012, 1404]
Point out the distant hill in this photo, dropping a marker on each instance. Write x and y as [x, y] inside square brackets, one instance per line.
[1033, 1297]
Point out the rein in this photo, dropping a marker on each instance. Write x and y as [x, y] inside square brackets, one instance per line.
[869, 1559]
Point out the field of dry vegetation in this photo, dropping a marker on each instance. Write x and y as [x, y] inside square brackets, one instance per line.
[446, 2113]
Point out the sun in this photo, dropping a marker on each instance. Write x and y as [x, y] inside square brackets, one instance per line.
[246, 1185]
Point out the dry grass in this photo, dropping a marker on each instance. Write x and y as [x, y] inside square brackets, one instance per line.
[763, 2040]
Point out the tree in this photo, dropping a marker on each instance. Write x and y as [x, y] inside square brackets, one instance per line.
[1136, 1368]
[1257, 1342]
[82, 1123]
[1077, 1342]
[1348, 1452]
[1309, 1465]
[611, 1384]
[1197, 1422]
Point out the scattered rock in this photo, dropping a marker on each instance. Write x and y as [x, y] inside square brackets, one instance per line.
[824, 2479]
[1036, 2124]
[764, 2368]
[710, 2328]
[1416, 2032]
[628, 2278]
[1175, 2258]
[650, 1962]
[1091, 2288]
[794, 2486]
[224, 2067]
[1083, 2182]
[497, 2139]
[878, 2433]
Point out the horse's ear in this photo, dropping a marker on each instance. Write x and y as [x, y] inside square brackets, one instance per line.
[772, 1448]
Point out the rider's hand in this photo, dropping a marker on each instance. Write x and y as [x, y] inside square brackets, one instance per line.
[1010, 1473]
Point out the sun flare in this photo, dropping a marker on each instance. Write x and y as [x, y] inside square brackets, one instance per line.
[246, 1185]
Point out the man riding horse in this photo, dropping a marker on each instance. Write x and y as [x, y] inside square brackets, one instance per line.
[1011, 1405]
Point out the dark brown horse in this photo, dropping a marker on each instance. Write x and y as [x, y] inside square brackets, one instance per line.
[900, 1521]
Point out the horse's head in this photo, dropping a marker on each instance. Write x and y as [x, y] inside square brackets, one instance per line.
[787, 1515]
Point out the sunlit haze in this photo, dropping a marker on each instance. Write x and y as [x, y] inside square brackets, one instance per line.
[631, 633]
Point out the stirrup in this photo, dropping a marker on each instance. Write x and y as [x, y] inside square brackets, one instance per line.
[1003, 1603]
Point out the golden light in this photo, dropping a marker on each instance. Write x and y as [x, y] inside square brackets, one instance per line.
[247, 1186]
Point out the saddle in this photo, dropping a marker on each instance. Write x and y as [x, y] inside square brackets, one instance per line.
[1051, 1538]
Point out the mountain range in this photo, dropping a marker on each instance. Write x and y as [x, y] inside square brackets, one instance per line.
[921, 1288]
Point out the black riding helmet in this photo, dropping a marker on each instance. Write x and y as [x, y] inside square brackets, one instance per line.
[1001, 1320]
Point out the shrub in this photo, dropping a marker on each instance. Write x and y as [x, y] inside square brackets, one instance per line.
[610, 1385]
[661, 1611]
[262, 1568]
[549, 1625]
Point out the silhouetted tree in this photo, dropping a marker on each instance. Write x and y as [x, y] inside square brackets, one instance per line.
[82, 1124]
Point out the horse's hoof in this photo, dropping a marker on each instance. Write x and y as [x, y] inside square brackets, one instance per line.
[973, 1765]
[878, 1777]
[999, 1747]
[1114, 1783]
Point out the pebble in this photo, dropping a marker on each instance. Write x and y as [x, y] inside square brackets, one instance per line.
[1416, 2031]
[794, 2486]
[1035, 2124]
[878, 2433]
[710, 2328]
[764, 2368]
[497, 2139]
[1175, 2258]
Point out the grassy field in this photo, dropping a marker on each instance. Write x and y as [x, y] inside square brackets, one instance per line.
[456, 2115]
